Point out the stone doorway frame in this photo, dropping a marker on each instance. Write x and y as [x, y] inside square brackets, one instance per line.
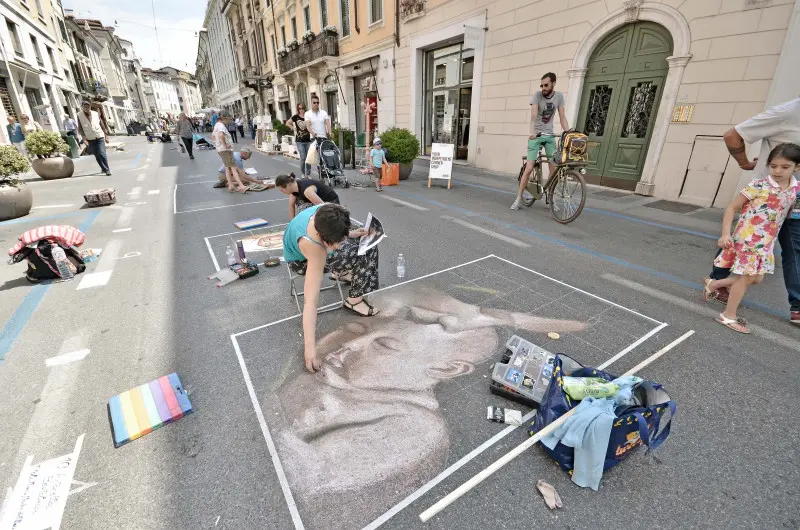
[678, 27]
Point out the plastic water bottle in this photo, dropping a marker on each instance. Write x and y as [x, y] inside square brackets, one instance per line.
[401, 266]
[60, 257]
[230, 255]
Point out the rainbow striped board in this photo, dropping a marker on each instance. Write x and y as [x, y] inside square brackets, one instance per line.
[252, 223]
[145, 408]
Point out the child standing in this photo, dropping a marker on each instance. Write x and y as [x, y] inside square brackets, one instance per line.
[763, 206]
[378, 159]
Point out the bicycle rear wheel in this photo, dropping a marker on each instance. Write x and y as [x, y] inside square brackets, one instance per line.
[567, 196]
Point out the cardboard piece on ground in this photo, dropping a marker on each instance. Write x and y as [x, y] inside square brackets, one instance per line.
[147, 407]
[225, 276]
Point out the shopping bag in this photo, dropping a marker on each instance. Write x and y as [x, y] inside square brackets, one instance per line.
[647, 425]
[312, 156]
[390, 174]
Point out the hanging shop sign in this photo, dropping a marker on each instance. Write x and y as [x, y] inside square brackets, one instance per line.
[368, 84]
[329, 84]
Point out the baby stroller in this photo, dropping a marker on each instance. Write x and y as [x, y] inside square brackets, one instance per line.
[331, 169]
[201, 142]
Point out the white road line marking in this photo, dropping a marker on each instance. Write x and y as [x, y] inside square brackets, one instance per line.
[141, 177]
[213, 257]
[118, 230]
[706, 311]
[135, 193]
[404, 203]
[229, 205]
[66, 358]
[47, 207]
[81, 486]
[125, 216]
[174, 199]
[580, 290]
[146, 166]
[276, 462]
[486, 231]
[521, 448]
[199, 182]
[257, 229]
[153, 192]
[94, 279]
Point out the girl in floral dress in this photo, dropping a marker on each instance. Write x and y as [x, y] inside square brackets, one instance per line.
[763, 205]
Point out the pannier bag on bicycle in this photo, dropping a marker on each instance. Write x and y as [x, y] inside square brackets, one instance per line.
[572, 148]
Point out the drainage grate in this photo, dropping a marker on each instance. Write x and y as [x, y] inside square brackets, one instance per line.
[670, 206]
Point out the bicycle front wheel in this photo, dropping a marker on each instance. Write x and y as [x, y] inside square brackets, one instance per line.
[567, 196]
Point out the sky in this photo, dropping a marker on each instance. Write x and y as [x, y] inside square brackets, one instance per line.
[177, 22]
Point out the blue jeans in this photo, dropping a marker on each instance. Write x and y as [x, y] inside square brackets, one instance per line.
[302, 150]
[98, 149]
[789, 239]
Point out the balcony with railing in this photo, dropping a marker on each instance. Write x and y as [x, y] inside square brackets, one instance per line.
[94, 89]
[308, 53]
[411, 9]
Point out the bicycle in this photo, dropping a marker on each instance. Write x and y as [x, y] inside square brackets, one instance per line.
[559, 190]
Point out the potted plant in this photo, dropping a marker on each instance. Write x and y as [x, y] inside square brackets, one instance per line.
[330, 30]
[402, 147]
[281, 129]
[308, 36]
[346, 146]
[16, 198]
[292, 44]
[283, 52]
[50, 162]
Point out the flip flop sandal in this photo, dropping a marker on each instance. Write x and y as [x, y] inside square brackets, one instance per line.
[708, 293]
[219, 185]
[739, 325]
[351, 307]
[346, 279]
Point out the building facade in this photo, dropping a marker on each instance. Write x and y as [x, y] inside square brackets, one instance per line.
[204, 71]
[653, 84]
[34, 74]
[132, 67]
[223, 60]
[161, 92]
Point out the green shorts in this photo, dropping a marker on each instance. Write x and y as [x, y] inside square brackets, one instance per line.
[549, 143]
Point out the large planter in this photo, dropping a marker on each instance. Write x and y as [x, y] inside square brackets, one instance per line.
[346, 157]
[59, 167]
[405, 170]
[15, 201]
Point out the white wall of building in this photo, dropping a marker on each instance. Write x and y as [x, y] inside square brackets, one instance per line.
[226, 76]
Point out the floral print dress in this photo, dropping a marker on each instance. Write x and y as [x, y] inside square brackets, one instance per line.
[759, 222]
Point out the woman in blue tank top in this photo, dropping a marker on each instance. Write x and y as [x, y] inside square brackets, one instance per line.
[320, 236]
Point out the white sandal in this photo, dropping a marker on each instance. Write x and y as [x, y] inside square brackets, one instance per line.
[738, 325]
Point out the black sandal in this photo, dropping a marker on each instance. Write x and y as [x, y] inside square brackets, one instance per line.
[348, 279]
[351, 307]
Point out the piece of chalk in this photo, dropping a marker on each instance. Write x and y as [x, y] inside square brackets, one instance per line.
[553, 335]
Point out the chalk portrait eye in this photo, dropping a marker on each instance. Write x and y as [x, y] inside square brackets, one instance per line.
[390, 343]
[356, 327]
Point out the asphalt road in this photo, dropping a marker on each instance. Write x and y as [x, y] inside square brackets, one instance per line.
[383, 437]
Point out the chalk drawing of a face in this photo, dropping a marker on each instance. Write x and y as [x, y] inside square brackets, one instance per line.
[367, 429]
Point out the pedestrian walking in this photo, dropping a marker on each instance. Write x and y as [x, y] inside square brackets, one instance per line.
[29, 125]
[302, 138]
[252, 127]
[776, 125]
[224, 144]
[232, 130]
[378, 156]
[95, 132]
[70, 126]
[185, 131]
[240, 126]
[763, 205]
[16, 136]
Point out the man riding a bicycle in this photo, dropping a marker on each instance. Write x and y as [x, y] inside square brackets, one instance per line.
[543, 109]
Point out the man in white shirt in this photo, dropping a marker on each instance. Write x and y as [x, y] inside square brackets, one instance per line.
[70, 126]
[94, 131]
[224, 144]
[774, 126]
[318, 123]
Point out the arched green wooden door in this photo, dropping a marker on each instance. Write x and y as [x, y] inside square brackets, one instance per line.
[623, 87]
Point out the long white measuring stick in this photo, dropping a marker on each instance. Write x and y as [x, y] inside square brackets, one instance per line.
[511, 455]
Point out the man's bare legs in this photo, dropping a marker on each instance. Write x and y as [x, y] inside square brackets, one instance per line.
[234, 183]
[523, 183]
